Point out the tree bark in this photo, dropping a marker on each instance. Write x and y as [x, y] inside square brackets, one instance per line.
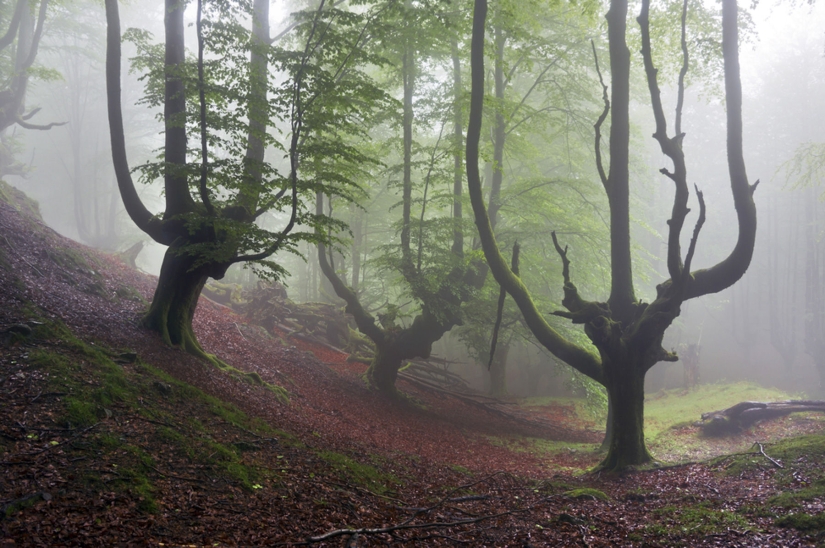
[626, 442]
[176, 298]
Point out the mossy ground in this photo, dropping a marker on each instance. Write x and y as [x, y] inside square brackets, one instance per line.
[800, 482]
[121, 412]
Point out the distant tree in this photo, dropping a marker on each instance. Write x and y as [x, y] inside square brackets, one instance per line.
[627, 333]
[213, 204]
[18, 50]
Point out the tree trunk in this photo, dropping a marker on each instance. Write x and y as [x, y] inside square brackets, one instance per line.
[176, 298]
[383, 371]
[498, 372]
[626, 393]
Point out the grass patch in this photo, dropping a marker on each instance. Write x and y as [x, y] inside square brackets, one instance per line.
[668, 408]
[802, 457]
[702, 519]
[803, 522]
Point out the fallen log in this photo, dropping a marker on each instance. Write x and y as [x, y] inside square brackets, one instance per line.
[741, 416]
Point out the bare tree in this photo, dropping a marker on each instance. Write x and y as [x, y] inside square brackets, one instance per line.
[626, 332]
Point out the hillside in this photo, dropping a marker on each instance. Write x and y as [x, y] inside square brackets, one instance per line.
[109, 437]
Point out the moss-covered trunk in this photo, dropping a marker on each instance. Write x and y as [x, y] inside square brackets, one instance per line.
[176, 298]
[626, 389]
[383, 371]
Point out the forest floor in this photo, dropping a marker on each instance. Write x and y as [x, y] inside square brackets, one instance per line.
[108, 437]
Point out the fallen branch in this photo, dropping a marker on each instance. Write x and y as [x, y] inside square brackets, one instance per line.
[762, 450]
[743, 415]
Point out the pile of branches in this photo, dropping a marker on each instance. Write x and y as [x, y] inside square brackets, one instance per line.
[319, 323]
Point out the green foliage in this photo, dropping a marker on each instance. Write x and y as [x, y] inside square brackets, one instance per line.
[321, 93]
[704, 42]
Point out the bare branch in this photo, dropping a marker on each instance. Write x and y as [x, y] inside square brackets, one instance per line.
[22, 123]
[671, 147]
[602, 117]
[692, 247]
[728, 271]
[565, 272]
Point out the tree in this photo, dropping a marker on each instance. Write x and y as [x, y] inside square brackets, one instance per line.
[626, 332]
[437, 277]
[213, 205]
[18, 50]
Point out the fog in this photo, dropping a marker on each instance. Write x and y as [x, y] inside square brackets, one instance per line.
[768, 328]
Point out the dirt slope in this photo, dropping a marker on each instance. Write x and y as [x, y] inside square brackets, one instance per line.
[108, 437]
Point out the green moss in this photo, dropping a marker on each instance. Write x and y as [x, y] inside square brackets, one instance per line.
[587, 493]
[803, 522]
[129, 293]
[79, 413]
[792, 499]
[694, 520]
[362, 474]
[18, 505]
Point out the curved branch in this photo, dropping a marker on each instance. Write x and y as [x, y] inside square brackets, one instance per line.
[577, 357]
[21, 121]
[729, 270]
[363, 319]
[137, 211]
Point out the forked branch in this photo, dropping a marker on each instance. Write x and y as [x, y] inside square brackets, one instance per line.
[671, 146]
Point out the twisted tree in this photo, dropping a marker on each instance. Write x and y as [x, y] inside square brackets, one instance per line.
[626, 332]
[226, 103]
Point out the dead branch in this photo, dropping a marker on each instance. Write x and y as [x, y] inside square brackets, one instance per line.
[743, 415]
[762, 450]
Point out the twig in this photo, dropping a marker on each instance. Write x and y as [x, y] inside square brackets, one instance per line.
[762, 450]
[239, 330]
[399, 527]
